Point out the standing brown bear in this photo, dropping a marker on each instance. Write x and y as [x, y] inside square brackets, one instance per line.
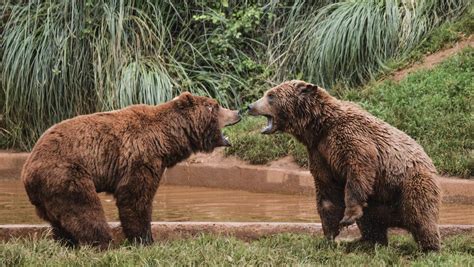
[123, 152]
[365, 170]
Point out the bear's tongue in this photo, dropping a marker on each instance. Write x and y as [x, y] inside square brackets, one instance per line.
[268, 129]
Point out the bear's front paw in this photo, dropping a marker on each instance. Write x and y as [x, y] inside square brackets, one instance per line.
[331, 236]
[351, 215]
[145, 239]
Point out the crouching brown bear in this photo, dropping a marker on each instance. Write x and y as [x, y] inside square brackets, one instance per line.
[123, 152]
[365, 170]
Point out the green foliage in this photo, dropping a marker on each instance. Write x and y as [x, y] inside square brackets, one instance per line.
[65, 58]
[445, 35]
[282, 249]
[349, 42]
[234, 43]
[434, 107]
[62, 58]
[256, 148]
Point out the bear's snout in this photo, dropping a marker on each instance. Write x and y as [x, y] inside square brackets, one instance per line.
[253, 109]
[249, 108]
[228, 117]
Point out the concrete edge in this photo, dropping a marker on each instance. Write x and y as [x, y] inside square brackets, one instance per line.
[263, 179]
[252, 178]
[164, 231]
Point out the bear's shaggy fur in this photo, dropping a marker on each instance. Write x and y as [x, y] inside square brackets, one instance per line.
[365, 170]
[123, 152]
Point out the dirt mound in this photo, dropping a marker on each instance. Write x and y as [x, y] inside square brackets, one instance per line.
[218, 157]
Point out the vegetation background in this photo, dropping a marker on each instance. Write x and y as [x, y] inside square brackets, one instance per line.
[60, 58]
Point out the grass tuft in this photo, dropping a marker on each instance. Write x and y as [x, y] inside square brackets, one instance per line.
[281, 249]
[350, 42]
[447, 34]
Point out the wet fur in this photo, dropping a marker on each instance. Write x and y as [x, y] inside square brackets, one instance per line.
[365, 170]
[122, 152]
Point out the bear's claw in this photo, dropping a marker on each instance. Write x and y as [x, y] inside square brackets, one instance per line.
[346, 221]
[351, 215]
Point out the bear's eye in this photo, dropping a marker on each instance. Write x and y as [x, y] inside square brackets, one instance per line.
[209, 108]
[271, 97]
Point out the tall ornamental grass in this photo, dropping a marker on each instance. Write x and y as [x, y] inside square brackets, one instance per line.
[64, 58]
[349, 42]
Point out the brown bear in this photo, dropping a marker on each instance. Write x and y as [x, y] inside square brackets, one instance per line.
[365, 170]
[123, 152]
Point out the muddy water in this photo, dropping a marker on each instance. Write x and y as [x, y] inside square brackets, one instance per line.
[179, 203]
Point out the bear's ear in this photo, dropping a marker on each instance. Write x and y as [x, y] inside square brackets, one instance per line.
[307, 88]
[186, 98]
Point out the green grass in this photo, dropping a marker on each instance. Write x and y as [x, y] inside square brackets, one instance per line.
[248, 144]
[446, 35]
[283, 249]
[350, 42]
[433, 106]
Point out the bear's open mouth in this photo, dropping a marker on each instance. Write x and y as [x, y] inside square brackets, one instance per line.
[270, 127]
[234, 122]
[225, 141]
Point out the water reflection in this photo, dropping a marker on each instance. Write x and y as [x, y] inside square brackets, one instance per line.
[180, 203]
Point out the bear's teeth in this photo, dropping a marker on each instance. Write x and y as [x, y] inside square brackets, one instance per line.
[267, 129]
[269, 126]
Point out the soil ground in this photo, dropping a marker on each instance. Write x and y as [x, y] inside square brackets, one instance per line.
[432, 60]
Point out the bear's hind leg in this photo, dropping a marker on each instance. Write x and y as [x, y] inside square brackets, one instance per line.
[62, 236]
[427, 236]
[420, 211]
[58, 232]
[76, 214]
[87, 224]
[373, 226]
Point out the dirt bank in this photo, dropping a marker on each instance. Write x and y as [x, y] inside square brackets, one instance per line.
[430, 61]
